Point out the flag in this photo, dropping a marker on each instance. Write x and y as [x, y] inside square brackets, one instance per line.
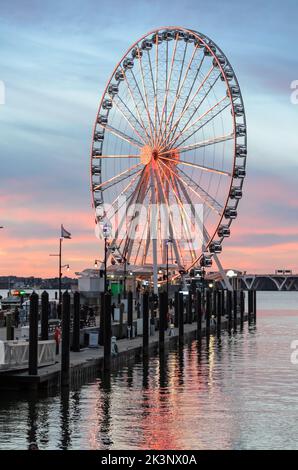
[65, 233]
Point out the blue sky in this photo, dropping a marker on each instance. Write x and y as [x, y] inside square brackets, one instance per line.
[55, 60]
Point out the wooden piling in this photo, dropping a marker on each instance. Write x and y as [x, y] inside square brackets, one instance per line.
[130, 312]
[9, 328]
[44, 316]
[33, 334]
[199, 312]
[208, 311]
[107, 332]
[65, 353]
[176, 310]
[181, 317]
[189, 307]
[145, 311]
[76, 323]
[101, 318]
[162, 318]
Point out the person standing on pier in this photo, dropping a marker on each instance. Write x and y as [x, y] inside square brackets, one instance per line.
[57, 337]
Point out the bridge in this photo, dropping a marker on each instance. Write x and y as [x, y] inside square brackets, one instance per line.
[279, 281]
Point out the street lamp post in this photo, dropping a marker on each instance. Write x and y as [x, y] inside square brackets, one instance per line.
[106, 234]
[64, 234]
[167, 242]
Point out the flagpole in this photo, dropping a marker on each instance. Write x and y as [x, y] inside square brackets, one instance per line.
[60, 269]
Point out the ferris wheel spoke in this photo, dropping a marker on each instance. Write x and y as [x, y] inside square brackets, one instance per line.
[130, 236]
[121, 135]
[200, 167]
[127, 187]
[147, 243]
[179, 92]
[197, 107]
[183, 212]
[152, 131]
[200, 223]
[121, 176]
[142, 238]
[144, 127]
[169, 123]
[200, 118]
[156, 111]
[128, 120]
[213, 116]
[210, 201]
[150, 123]
[99, 157]
[201, 144]
[153, 84]
[124, 216]
[168, 81]
[203, 195]
[172, 229]
[185, 108]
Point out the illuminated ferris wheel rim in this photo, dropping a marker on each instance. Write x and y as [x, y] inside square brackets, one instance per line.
[237, 173]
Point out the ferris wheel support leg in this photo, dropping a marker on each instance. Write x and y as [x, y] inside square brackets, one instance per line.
[154, 235]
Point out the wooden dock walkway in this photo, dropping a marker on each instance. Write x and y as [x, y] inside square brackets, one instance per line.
[89, 361]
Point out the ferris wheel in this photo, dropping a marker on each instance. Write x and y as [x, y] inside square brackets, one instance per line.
[169, 151]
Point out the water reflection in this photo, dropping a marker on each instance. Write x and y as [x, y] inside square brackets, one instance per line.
[32, 425]
[65, 430]
[105, 407]
[236, 391]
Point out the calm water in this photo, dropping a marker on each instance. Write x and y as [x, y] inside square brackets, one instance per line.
[237, 393]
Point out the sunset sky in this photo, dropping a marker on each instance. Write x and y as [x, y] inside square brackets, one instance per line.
[55, 59]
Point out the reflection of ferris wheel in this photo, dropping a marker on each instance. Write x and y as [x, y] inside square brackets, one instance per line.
[170, 131]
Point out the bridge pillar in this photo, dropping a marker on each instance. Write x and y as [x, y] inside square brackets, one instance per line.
[255, 305]
[242, 304]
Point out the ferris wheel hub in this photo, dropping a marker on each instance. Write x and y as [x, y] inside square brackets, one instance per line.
[146, 154]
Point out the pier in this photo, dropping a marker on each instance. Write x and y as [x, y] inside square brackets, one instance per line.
[82, 363]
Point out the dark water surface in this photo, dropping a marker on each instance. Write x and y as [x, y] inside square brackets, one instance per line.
[237, 393]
